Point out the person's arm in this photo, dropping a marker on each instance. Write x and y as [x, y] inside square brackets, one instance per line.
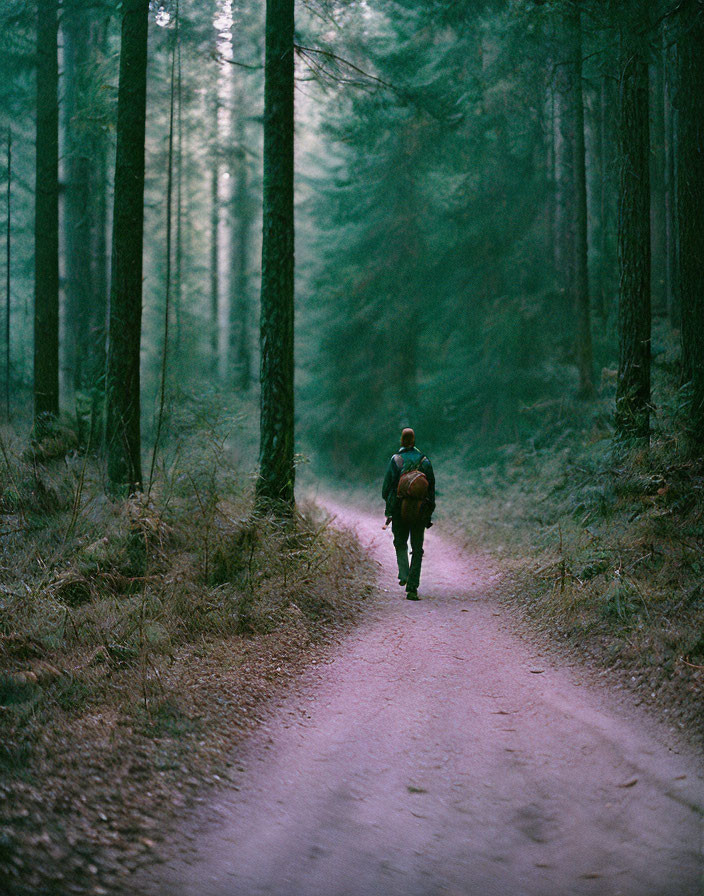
[388, 479]
[388, 490]
[430, 476]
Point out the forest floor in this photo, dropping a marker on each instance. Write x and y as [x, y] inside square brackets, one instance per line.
[178, 677]
[141, 642]
[602, 550]
[438, 750]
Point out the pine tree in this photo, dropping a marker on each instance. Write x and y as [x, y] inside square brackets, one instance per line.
[123, 439]
[633, 385]
[276, 454]
[690, 205]
[79, 190]
[8, 276]
[670, 186]
[214, 232]
[46, 226]
[581, 266]
[240, 310]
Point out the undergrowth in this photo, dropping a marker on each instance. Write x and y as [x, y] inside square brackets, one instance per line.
[604, 542]
[139, 613]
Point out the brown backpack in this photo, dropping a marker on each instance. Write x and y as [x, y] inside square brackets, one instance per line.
[412, 491]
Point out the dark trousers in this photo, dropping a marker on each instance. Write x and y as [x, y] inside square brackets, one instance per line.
[401, 532]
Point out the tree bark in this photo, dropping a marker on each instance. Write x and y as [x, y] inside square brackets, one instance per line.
[657, 183]
[100, 278]
[633, 385]
[275, 483]
[690, 205]
[79, 193]
[178, 272]
[168, 252]
[123, 437]
[581, 269]
[564, 180]
[46, 220]
[671, 265]
[214, 242]
[604, 279]
[240, 305]
[550, 141]
[8, 275]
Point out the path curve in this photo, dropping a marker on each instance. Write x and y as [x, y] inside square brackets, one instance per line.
[438, 754]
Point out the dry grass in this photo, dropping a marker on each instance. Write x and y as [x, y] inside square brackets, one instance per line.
[605, 549]
[139, 640]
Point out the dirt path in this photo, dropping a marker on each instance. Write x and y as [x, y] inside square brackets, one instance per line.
[437, 753]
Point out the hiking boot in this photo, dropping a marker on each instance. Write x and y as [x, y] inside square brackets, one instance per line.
[412, 595]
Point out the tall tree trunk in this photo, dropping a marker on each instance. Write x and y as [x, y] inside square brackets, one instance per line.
[214, 235]
[8, 274]
[240, 305]
[671, 289]
[594, 192]
[657, 183]
[549, 118]
[581, 269]
[690, 202]
[178, 261]
[99, 305]
[79, 191]
[276, 458]
[123, 375]
[100, 277]
[564, 177]
[168, 253]
[555, 181]
[633, 385]
[604, 267]
[46, 221]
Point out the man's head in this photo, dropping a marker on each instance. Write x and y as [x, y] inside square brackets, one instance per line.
[408, 438]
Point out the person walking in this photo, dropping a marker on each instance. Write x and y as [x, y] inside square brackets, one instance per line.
[409, 493]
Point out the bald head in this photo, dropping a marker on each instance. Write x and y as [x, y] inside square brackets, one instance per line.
[408, 438]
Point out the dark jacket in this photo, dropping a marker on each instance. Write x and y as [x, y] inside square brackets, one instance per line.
[407, 459]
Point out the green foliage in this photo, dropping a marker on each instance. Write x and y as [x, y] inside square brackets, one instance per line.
[434, 279]
[122, 586]
[71, 694]
[15, 690]
[602, 545]
[620, 601]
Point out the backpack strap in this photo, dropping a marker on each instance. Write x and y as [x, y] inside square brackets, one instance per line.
[398, 460]
[419, 465]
